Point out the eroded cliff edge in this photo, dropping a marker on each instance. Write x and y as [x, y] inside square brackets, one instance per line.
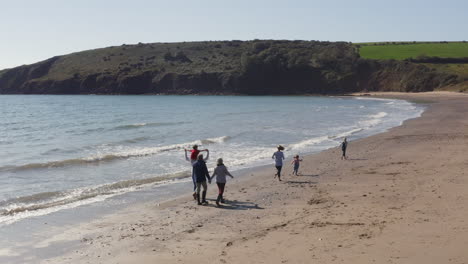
[259, 67]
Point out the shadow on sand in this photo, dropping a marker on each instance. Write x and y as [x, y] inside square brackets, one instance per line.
[235, 205]
[301, 182]
[308, 175]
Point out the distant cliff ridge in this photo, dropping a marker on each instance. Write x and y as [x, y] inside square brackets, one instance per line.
[258, 67]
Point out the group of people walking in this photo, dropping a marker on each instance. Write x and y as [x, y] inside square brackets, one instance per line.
[201, 176]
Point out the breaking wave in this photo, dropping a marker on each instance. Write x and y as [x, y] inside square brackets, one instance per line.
[140, 125]
[107, 157]
[48, 202]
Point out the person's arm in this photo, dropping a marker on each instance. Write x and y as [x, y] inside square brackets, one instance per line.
[273, 155]
[186, 157]
[292, 162]
[207, 155]
[283, 155]
[228, 173]
[214, 174]
[207, 175]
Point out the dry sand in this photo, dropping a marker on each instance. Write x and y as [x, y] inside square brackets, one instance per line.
[401, 197]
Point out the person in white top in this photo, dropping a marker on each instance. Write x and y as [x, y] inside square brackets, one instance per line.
[278, 156]
[220, 172]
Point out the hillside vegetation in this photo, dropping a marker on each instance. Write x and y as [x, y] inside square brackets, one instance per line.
[220, 67]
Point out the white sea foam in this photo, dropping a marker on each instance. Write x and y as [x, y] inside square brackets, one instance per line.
[373, 99]
[379, 115]
[373, 120]
[303, 145]
[111, 156]
[120, 147]
[347, 133]
[45, 203]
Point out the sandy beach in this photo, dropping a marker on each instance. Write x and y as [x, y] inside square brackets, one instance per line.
[401, 197]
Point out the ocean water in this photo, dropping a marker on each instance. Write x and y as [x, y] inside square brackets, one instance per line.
[60, 152]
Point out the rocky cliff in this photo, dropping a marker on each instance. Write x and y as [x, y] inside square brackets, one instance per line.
[257, 67]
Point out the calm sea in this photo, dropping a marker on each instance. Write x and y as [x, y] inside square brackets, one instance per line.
[60, 152]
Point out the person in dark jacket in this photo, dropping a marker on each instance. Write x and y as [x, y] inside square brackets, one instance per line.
[344, 146]
[193, 158]
[201, 175]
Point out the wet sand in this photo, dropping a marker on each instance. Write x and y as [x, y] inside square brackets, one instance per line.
[401, 197]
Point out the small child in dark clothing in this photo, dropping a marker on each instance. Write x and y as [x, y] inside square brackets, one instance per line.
[344, 145]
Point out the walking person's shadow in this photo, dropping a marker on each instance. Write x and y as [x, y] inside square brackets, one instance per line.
[235, 205]
[308, 175]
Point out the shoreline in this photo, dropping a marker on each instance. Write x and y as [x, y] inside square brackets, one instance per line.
[262, 214]
[305, 146]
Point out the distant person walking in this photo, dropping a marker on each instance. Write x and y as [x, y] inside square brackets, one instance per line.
[200, 173]
[296, 161]
[278, 156]
[220, 172]
[193, 158]
[344, 146]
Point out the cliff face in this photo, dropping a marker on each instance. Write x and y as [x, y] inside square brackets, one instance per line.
[400, 76]
[226, 67]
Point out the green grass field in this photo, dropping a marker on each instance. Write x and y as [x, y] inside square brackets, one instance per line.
[404, 51]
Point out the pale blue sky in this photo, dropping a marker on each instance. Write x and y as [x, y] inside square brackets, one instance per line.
[36, 30]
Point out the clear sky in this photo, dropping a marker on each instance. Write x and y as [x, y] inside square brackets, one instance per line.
[36, 30]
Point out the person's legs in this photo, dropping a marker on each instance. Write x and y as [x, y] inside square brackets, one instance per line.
[279, 172]
[194, 187]
[296, 169]
[199, 186]
[194, 190]
[205, 187]
[220, 193]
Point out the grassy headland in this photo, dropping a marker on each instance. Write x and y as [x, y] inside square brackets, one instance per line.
[444, 57]
[408, 50]
[221, 67]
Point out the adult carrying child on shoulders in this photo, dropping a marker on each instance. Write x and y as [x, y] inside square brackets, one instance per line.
[193, 158]
[201, 175]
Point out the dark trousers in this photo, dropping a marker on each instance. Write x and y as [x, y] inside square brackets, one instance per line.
[278, 168]
[221, 187]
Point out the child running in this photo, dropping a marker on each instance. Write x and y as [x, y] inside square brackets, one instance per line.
[193, 158]
[278, 156]
[296, 161]
[220, 171]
